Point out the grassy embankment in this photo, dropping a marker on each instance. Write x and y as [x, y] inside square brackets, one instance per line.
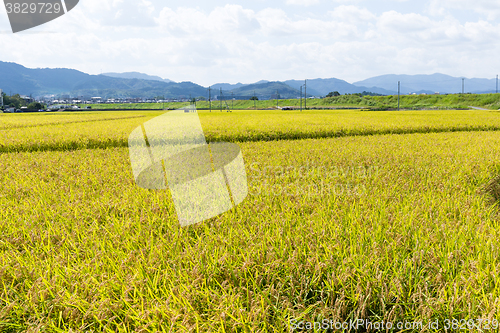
[456, 101]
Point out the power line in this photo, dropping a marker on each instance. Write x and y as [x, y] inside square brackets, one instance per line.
[300, 98]
[210, 97]
[222, 97]
[305, 94]
[399, 92]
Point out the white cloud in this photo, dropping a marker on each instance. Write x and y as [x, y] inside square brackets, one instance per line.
[262, 40]
[416, 28]
[352, 14]
[302, 2]
[346, 1]
[490, 9]
[193, 22]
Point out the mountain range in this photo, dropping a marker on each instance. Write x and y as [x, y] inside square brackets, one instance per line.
[137, 75]
[430, 84]
[18, 79]
[15, 78]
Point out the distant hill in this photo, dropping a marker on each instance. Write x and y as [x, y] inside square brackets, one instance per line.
[226, 86]
[39, 82]
[137, 75]
[291, 88]
[311, 91]
[265, 90]
[15, 78]
[321, 87]
[104, 86]
[430, 84]
[19, 79]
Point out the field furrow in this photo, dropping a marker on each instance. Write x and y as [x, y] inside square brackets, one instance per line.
[390, 226]
[13, 121]
[247, 126]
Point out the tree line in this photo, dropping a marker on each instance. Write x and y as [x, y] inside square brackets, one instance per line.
[16, 101]
[364, 93]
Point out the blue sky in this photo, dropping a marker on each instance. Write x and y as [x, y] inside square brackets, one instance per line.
[245, 41]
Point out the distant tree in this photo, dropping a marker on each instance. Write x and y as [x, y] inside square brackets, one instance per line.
[35, 106]
[368, 93]
[254, 98]
[14, 101]
[333, 94]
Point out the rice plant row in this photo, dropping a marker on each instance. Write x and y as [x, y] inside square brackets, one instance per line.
[396, 228]
[11, 121]
[248, 126]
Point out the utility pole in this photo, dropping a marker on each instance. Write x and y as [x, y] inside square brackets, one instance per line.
[277, 99]
[463, 85]
[210, 97]
[497, 83]
[220, 97]
[232, 100]
[300, 98]
[399, 92]
[305, 94]
[254, 99]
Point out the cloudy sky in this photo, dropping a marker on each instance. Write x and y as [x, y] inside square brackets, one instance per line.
[245, 41]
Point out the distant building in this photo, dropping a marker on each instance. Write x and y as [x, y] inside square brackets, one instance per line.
[27, 99]
[59, 107]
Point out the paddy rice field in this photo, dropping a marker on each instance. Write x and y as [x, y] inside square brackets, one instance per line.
[351, 215]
